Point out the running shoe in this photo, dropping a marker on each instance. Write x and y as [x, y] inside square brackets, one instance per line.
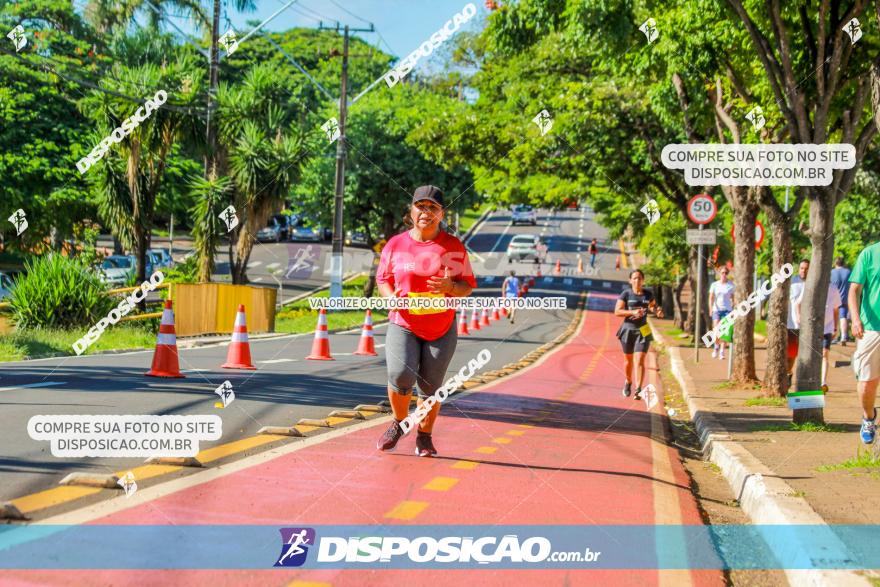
[638, 394]
[714, 353]
[627, 389]
[721, 355]
[869, 429]
[424, 445]
[391, 436]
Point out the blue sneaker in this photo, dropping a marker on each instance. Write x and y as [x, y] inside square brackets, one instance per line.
[869, 429]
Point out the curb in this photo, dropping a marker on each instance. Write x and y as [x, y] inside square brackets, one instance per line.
[476, 225]
[762, 494]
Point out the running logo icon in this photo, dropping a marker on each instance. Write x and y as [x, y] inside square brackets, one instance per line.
[652, 211]
[17, 37]
[228, 216]
[649, 27]
[544, 121]
[128, 484]
[294, 546]
[302, 262]
[756, 117]
[331, 129]
[227, 395]
[854, 29]
[228, 42]
[19, 219]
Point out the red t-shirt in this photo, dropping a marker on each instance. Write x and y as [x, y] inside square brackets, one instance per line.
[408, 264]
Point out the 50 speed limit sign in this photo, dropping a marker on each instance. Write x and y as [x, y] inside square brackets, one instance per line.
[702, 209]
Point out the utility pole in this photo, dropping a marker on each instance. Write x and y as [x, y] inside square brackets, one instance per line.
[336, 269]
[214, 77]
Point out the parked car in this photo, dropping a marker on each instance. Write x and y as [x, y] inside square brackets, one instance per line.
[271, 233]
[285, 221]
[524, 214]
[118, 269]
[160, 258]
[523, 246]
[571, 204]
[306, 230]
[5, 285]
[356, 238]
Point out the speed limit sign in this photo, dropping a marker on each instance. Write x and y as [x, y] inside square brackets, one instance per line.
[702, 209]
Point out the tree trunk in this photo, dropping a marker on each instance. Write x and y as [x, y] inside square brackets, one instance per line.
[776, 374]
[744, 217]
[679, 316]
[666, 300]
[696, 266]
[117, 246]
[812, 310]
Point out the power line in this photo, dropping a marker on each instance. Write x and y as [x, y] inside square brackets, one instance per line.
[324, 16]
[349, 12]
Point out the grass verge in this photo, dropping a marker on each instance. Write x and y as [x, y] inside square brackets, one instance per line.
[864, 459]
[469, 217]
[777, 402]
[20, 345]
[792, 427]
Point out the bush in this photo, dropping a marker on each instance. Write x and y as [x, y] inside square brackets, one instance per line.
[187, 271]
[59, 292]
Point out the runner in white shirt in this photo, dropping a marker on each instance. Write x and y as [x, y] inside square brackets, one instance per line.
[721, 302]
[794, 321]
[832, 312]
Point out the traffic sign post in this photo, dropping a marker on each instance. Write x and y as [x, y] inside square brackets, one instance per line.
[701, 209]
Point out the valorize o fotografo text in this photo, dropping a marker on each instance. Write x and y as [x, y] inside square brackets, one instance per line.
[438, 303]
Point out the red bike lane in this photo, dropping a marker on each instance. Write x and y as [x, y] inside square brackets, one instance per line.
[555, 443]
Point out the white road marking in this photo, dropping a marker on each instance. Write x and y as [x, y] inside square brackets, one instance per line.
[548, 280]
[567, 281]
[606, 284]
[273, 265]
[257, 280]
[501, 236]
[588, 282]
[33, 385]
[490, 279]
[270, 361]
[194, 370]
[253, 264]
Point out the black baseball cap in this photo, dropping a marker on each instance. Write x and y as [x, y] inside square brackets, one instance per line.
[428, 192]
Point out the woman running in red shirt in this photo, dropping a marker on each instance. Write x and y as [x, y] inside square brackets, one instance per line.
[424, 261]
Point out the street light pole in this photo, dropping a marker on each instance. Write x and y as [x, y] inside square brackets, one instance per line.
[336, 258]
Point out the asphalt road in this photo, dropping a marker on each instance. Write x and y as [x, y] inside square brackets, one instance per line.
[286, 387]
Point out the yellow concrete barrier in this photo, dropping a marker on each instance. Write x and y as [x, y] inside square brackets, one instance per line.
[207, 308]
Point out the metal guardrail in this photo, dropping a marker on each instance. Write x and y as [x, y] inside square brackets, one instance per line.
[119, 290]
[141, 317]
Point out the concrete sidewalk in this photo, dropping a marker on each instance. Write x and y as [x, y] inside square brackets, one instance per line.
[555, 443]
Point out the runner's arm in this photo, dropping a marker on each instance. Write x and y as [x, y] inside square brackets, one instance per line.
[855, 301]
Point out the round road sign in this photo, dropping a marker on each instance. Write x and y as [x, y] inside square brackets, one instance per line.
[702, 209]
[759, 233]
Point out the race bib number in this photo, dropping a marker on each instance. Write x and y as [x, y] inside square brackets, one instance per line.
[422, 311]
[645, 330]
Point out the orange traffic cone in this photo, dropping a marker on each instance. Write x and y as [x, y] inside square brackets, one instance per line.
[321, 343]
[504, 312]
[239, 355]
[539, 271]
[496, 314]
[475, 321]
[484, 318]
[531, 281]
[525, 288]
[617, 263]
[462, 323]
[367, 346]
[580, 264]
[165, 363]
[558, 267]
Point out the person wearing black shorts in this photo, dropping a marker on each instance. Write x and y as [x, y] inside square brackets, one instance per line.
[634, 334]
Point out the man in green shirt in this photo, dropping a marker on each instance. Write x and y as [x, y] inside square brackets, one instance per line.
[864, 305]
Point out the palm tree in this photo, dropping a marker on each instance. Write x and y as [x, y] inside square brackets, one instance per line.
[108, 16]
[128, 177]
[262, 154]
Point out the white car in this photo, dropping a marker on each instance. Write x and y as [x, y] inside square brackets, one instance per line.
[523, 246]
[524, 214]
[117, 269]
[5, 285]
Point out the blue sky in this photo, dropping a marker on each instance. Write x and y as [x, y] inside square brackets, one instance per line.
[403, 24]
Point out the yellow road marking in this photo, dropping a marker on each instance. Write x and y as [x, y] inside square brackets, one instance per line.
[407, 510]
[468, 465]
[337, 420]
[486, 450]
[300, 583]
[303, 429]
[147, 471]
[440, 484]
[50, 497]
[224, 450]
[516, 432]
[502, 440]
[526, 425]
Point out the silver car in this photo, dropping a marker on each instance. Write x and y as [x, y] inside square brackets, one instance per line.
[116, 269]
[524, 214]
[523, 246]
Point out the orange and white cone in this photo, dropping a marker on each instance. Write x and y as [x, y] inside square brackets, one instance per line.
[165, 362]
[321, 343]
[617, 263]
[539, 270]
[531, 281]
[496, 314]
[367, 346]
[580, 264]
[484, 317]
[462, 323]
[239, 355]
[475, 320]
[558, 267]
